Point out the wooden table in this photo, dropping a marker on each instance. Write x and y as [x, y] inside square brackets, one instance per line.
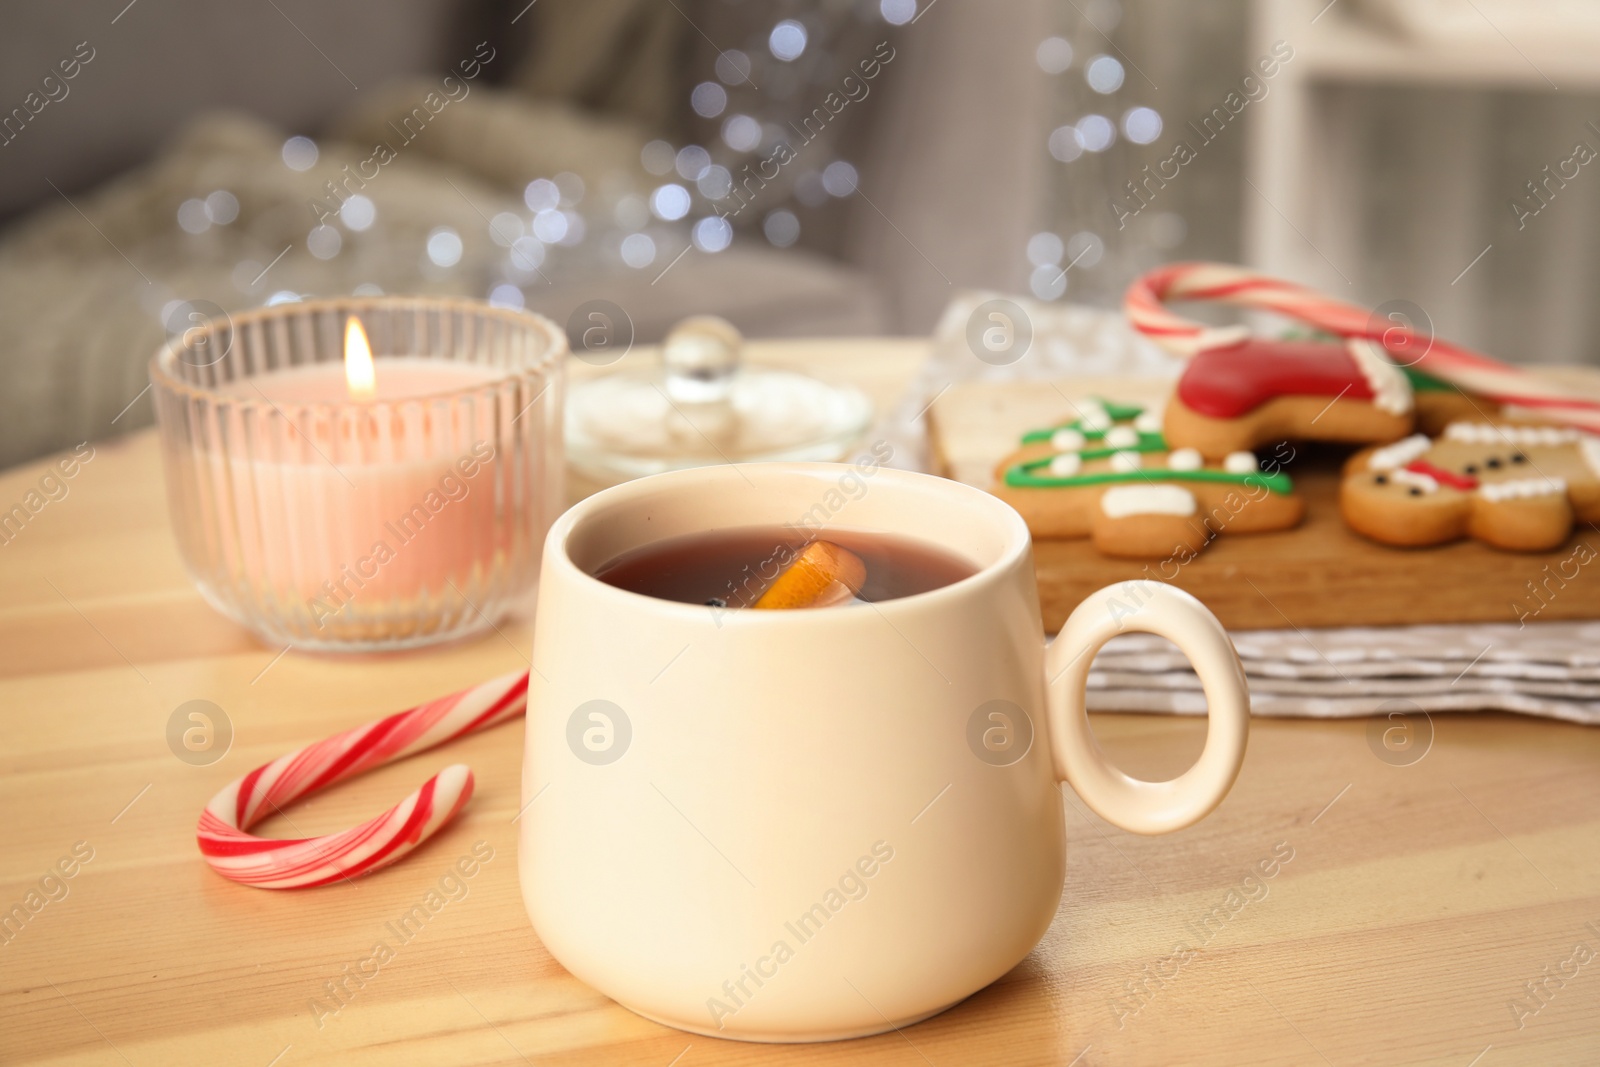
[1418, 903]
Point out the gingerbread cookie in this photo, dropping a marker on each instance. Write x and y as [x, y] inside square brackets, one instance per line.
[1516, 487]
[1109, 475]
[1438, 403]
[1256, 392]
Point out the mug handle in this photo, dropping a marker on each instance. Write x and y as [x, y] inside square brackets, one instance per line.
[1147, 606]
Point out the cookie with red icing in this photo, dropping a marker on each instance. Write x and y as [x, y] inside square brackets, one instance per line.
[1516, 487]
[1108, 474]
[1259, 391]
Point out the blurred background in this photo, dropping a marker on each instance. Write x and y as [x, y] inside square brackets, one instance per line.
[801, 167]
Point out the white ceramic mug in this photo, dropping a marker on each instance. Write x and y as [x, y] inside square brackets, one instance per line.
[807, 825]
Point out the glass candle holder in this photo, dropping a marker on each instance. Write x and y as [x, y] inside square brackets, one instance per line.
[329, 509]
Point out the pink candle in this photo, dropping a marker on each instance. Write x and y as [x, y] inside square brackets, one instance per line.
[370, 502]
[402, 507]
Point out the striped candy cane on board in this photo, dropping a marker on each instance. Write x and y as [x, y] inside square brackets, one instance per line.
[292, 864]
[1470, 371]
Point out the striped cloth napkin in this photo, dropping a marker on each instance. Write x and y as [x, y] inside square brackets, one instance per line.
[1544, 668]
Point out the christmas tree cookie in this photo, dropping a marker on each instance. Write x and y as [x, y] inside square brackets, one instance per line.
[1108, 474]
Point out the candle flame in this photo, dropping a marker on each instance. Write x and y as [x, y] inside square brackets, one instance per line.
[358, 371]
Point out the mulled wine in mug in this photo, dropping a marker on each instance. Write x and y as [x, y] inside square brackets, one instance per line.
[816, 824]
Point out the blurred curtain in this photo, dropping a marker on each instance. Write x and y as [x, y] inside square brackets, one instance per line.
[956, 177]
[1176, 59]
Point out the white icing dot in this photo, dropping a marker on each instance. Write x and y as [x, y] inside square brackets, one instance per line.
[1415, 479]
[1123, 462]
[1484, 433]
[1122, 437]
[1064, 466]
[1120, 501]
[1094, 417]
[1400, 453]
[1149, 422]
[1184, 459]
[1241, 463]
[1066, 440]
[1523, 488]
[1391, 389]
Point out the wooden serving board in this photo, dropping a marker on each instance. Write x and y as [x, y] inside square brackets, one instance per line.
[1319, 574]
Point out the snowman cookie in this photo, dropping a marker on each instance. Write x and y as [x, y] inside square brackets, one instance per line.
[1109, 475]
[1515, 487]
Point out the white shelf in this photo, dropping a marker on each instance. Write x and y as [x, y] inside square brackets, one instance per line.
[1309, 197]
[1344, 49]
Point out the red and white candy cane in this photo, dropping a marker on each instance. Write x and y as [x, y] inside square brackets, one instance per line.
[1224, 283]
[292, 864]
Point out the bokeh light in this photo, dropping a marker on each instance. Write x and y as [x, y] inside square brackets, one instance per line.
[505, 228]
[782, 228]
[741, 133]
[708, 100]
[572, 188]
[358, 213]
[444, 247]
[1047, 282]
[1053, 55]
[299, 153]
[1141, 125]
[670, 202]
[656, 157]
[506, 295]
[575, 229]
[715, 183]
[192, 216]
[550, 226]
[1065, 144]
[839, 178]
[638, 250]
[541, 194]
[712, 234]
[527, 255]
[1044, 249]
[733, 67]
[324, 241]
[1085, 249]
[222, 207]
[1104, 74]
[691, 162]
[1096, 133]
[787, 41]
[897, 12]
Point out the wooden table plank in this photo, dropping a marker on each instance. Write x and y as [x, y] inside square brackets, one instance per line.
[1419, 901]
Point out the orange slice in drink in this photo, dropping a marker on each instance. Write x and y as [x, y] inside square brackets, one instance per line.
[824, 574]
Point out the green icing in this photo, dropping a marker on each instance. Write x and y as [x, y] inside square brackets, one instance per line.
[1022, 477]
[1025, 476]
[1422, 382]
[1148, 442]
[1118, 413]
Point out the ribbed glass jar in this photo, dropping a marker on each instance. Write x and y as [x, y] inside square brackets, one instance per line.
[330, 522]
